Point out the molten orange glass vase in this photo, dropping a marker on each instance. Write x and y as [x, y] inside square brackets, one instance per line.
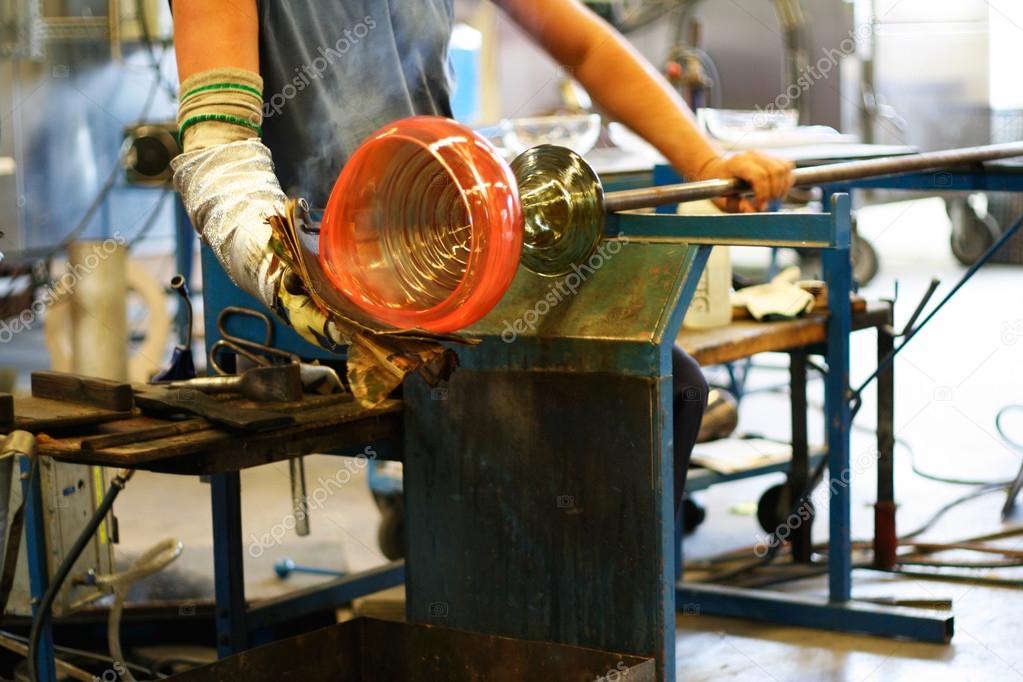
[423, 228]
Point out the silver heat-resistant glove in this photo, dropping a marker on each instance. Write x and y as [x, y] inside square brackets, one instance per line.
[229, 191]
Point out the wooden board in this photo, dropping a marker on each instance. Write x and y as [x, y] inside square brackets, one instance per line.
[320, 426]
[744, 338]
[75, 388]
[42, 414]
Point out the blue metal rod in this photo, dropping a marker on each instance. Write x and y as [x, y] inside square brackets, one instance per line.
[797, 610]
[285, 566]
[755, 229]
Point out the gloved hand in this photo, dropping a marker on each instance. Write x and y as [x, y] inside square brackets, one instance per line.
[227, 184]
[779, 299]
[229, 191]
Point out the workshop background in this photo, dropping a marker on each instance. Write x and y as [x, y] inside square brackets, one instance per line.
[83, 81]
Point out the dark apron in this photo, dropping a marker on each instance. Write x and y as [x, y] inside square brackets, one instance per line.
[336, 70]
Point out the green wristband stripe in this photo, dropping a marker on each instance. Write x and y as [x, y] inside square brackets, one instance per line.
[223, 118]
[223, 86]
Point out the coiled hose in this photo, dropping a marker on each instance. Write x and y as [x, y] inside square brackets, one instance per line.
[153, 560]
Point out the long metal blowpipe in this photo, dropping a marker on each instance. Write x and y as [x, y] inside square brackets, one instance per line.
[813, 175]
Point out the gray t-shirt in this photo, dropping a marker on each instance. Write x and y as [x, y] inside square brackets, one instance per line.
[336, 70]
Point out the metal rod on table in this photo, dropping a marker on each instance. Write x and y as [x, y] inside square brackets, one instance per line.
[813, 175]
[299, 499]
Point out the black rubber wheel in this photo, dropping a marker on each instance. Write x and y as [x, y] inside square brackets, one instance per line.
[971, 234]
[692, 515]
[775, 507]
[864, 261]
[391, 533]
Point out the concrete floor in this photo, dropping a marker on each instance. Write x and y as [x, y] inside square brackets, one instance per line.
[951, 382]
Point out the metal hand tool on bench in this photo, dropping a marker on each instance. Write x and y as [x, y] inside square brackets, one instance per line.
[275, 383]
[315, 378]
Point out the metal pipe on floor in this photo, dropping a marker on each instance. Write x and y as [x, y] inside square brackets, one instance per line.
[813, 175]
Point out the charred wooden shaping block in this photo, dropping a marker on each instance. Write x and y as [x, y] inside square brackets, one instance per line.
[75, 388]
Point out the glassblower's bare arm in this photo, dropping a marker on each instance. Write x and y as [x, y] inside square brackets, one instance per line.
[631, 90]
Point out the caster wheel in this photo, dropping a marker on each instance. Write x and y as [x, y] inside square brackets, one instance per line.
[775, 506]
[391, 533]
[692, 515]
[865, 262]
[971, 234]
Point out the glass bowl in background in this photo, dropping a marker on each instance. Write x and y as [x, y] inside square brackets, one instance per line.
[578, 132]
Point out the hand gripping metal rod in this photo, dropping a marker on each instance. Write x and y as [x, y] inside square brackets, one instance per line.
[813, 175]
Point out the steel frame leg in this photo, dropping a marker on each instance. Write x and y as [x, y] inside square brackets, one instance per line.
[38, 565]
[228, 572]
[885, 538]
[837, 612]
[799, 469]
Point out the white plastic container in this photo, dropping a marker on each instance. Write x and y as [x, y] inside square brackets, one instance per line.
[712, 303]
